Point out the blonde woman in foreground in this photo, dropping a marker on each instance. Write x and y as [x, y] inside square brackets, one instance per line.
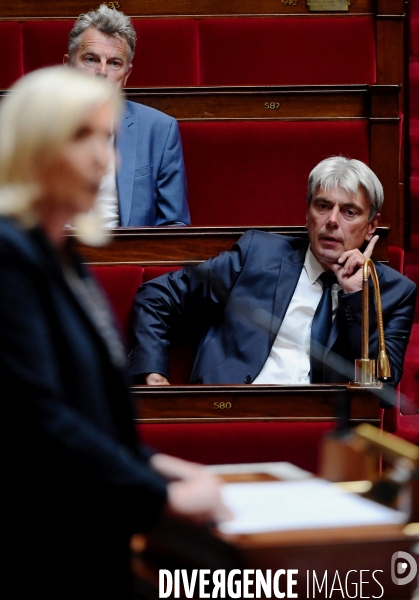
[78, 485]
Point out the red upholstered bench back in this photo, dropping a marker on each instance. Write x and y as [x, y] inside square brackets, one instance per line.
[224, 51]
[255, 173]
[120, 284]
[11, 51]
[166, 52]
[395, 257]
[44, 43]
[223, 443]
[287, 51]
[403, 419]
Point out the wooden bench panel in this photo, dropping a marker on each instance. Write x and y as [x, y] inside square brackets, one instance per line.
[229, 403]
[72, 8]
[269, 103]
[173, 246]
[50, 9]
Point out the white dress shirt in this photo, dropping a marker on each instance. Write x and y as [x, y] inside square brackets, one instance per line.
[106, 204]
[289, 358]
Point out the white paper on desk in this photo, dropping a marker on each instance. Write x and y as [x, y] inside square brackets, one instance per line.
[291, 505]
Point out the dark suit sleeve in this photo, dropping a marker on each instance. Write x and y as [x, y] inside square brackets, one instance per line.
[159, 301]
[51, 430]
[398, 296]
[172, 195]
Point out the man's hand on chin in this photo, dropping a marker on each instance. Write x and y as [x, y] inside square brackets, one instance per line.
[348, 269]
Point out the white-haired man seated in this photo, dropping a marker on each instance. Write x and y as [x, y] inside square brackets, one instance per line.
[283, 310]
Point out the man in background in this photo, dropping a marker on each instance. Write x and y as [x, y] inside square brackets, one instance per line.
[146, 184]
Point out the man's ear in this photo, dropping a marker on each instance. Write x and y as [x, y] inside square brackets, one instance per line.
[127, 75]
[372, 227]
[66, 60]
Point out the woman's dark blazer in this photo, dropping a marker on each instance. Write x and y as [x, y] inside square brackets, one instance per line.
[77, 483]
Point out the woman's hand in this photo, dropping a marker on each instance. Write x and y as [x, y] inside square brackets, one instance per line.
[192, 494]
[197, 499]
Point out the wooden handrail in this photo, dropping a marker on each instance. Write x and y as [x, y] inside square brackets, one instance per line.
[183, 245]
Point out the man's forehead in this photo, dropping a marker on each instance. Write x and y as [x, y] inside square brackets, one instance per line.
[98, 42]
[339, 194]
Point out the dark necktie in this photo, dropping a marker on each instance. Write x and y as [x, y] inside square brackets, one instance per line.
[321, 326]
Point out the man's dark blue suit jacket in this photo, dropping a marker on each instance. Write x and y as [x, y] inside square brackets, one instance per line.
[247, 292]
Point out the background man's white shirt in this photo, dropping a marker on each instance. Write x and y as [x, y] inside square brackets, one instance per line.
[106, 204]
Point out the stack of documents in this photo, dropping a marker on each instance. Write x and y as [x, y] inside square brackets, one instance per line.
[295, 505]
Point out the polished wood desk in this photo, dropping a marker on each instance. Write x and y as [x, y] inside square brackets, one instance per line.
[366, 549]
[239, 403]
[352, 552]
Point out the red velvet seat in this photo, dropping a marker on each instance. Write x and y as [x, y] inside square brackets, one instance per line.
[11, 51]
[166, 53]
[223, 443]
[120, 284]
[228, 51]
[409, 387]
[395, 257]
[414, 146]
[414, 37]
[414, 89]
[403, 419]
[287, 51]
[255, 173]
[44, 43]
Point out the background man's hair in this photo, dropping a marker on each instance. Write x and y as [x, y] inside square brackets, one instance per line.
[108, 21]
[349, 174]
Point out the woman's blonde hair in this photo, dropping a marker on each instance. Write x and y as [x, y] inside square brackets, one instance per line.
[39, 114]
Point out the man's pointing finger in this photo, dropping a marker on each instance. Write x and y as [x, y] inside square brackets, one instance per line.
[370, 248]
